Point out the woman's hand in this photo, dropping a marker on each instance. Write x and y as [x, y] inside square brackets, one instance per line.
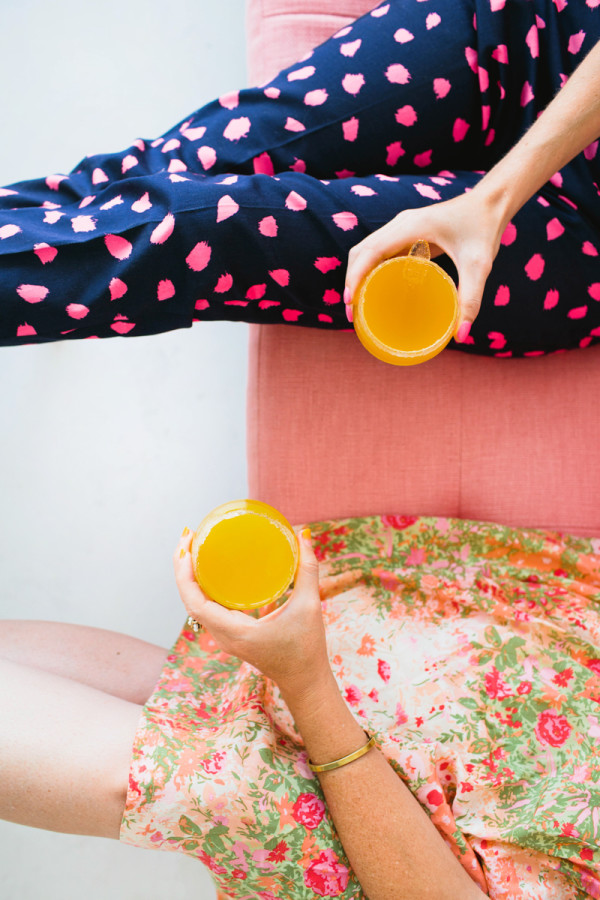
[287, 645]
[467, 228]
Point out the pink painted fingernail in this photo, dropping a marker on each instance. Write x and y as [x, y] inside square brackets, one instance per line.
[347, 296]
[463, 332]
[349, 312]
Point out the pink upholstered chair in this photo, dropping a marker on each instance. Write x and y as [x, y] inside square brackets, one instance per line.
[332, 432]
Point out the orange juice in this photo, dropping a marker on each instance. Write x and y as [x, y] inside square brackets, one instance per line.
[406, 309]
[245, 554]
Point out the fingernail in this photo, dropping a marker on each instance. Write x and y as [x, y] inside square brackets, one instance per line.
[347, 296]
[349, 312]
[185, 532]
[305, 534]
[463, 332]
[181, 553]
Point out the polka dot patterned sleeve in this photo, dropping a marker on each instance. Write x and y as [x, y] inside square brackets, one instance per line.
[247, 209]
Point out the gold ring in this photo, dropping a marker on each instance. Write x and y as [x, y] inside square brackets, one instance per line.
[194, 625]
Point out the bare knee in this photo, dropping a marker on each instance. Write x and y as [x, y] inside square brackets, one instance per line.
[65, 752]
[108, 661]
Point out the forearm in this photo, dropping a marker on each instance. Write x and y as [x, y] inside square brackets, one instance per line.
[393, 847]
[567, 125]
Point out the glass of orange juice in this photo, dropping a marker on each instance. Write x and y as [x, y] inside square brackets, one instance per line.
[245, 554]
[406, 309]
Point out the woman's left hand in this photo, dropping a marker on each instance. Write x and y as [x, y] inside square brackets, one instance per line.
[288, 645]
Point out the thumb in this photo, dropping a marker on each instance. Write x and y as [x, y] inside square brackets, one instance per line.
[307, 577]
[470, 291]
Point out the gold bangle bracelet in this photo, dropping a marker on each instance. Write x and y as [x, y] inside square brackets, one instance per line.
[338, 763]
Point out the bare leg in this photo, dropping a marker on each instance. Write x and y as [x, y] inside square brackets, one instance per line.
[65, 751]
[106, 660]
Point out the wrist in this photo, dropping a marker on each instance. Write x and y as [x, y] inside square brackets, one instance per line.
[309, 689]
[497, 201]
[323, 718]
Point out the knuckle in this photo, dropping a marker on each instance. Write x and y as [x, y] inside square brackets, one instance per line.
[471, 308]
[355, 252]
[311, 568]
[478, 260]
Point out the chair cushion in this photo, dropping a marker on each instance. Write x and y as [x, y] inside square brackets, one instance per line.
[333, 431]
[279, 32]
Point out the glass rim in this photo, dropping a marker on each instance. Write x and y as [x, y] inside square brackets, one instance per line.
[231, 510]
[439, 344]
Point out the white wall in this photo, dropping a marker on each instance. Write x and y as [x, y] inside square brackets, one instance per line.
[109, 447]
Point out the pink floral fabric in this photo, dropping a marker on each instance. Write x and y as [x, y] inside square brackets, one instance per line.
[470, 650]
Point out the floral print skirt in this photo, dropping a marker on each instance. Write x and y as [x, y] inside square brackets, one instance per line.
[470, 650]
